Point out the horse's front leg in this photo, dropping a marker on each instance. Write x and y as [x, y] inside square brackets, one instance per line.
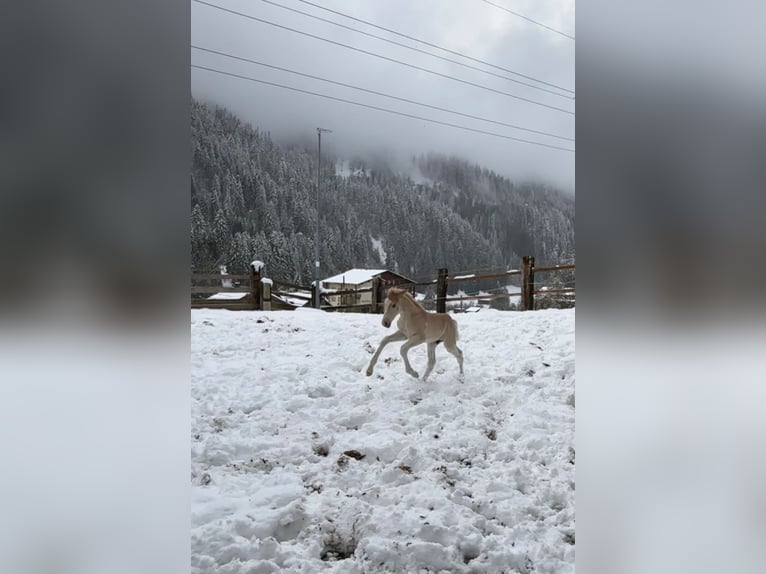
[398, 336]
[414, 342]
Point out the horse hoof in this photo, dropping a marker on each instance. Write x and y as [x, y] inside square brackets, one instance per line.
[414, 374]
[369, 373]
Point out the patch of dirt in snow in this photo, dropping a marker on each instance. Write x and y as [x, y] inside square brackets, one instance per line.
[301, 463]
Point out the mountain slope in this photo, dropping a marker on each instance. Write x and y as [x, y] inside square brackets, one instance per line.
[252, 198]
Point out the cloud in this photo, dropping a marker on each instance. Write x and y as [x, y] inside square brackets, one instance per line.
[470, 27]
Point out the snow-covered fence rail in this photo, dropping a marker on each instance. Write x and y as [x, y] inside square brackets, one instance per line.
[529, 287]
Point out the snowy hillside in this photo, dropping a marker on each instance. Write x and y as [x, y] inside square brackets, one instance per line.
[300, 463]
[251, 195]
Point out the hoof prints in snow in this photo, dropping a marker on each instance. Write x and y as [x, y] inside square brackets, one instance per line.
[301, 463]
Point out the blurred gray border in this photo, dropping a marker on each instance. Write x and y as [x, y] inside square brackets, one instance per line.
[95, 158]
[671, 143]
[94, 309]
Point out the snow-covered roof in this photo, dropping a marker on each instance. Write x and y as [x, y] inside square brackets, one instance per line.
[227, 296]
[354, 276]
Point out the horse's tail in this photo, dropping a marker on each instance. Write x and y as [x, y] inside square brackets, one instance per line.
[457, 332]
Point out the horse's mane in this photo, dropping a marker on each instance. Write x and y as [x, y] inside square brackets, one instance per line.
[406, 294]
[409, 296]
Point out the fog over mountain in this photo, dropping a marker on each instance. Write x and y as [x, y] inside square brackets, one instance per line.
[471, 27]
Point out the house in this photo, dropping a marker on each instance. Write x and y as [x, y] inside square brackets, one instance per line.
[359, 279]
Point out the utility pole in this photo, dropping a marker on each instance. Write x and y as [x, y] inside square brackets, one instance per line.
[317, 286]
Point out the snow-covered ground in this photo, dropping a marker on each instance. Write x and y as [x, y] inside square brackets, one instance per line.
[300, 463]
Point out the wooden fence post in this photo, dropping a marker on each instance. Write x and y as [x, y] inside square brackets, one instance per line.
[376, 299]
[315, 295]
[266, 294]
[255, 286]
[441, 291]
[527, 283]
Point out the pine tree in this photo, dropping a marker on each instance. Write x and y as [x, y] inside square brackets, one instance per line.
[201, 258]
[222, 238]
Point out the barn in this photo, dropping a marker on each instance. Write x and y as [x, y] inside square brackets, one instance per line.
[359, 279]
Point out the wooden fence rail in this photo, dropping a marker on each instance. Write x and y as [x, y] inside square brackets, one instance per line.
[289, 285]
[553, 291]
[219, 277]
[528, 287]
[199, 290]
[360, 307]
[554, 268]
[257, 293]
[494, 297]
[346, 292]
[459, 278]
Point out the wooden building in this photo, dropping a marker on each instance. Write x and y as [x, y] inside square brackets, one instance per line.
[360, 279]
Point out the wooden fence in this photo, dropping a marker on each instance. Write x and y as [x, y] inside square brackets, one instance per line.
[249, 292]
[234, 292]
[527, 275]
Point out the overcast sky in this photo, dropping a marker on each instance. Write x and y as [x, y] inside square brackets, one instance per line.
[471, 27]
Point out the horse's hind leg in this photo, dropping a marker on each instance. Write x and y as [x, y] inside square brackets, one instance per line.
[431, 360]
[455, 350]
[405, 348]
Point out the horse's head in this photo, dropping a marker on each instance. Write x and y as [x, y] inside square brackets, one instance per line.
[391, 307]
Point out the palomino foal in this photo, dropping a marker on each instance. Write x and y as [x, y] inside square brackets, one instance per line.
[417, 326]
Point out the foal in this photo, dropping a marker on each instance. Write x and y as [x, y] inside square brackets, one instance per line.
[417, 326]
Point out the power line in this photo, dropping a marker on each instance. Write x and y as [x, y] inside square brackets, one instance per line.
[386, 58]
[379, 93]
[395, 43]
[528, 19]
[389, 30]
[381, 109]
